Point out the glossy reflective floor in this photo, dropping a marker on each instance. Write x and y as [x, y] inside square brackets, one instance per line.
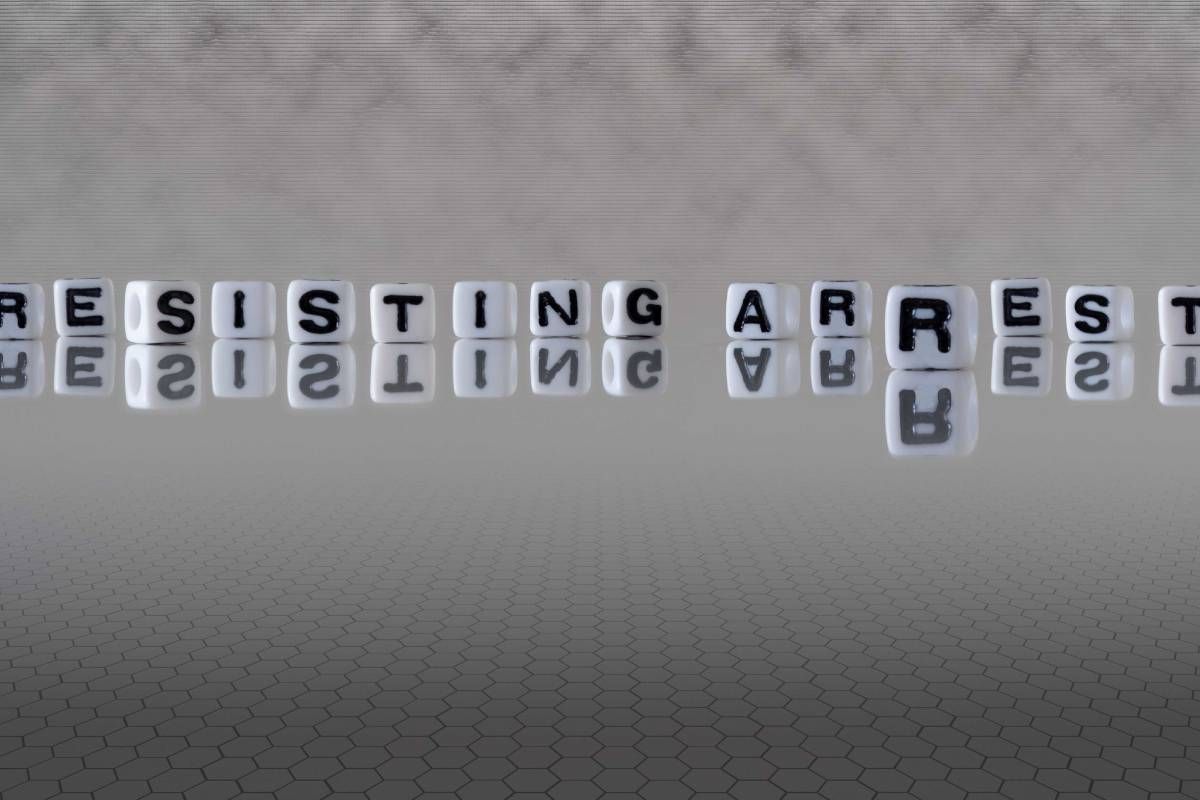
[656, 588]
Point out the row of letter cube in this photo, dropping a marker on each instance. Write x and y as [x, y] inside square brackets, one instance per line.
[160, 312]
[1020, 307]
[928, 327]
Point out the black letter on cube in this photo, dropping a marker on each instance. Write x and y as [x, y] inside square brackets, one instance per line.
[1011, 305]
[330, 319]
[844, 303]
[759, 317]
[14, 303]
[937, 320]
[187, 320]
[546, 302]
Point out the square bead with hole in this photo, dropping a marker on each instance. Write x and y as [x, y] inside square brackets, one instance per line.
[162, 312]
[22, 310]
[1099, 313]
[931, 327]
[84, 307]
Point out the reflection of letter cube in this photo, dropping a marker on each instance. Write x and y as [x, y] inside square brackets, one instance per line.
[402, 373]
[243, 368]
[931, 327]
[22, 310]
[1021, 307]
[1179, 314]
[84, 366]
[632, 367]
[762, 311]
[931, 413]
[161, 312]
[560, 367]
[1179, 376]
[842, 366]
[484, 309]
[560, 308]
[321, 376]
[22, 368]
[634, 308]
[1099, 371]
[320, 311]
[1100, 313]
[162, 378]
[841, 308]
[1021, 365]
[243, 309]
[84, 307]
[402, 312]
[485, 368]
[762, 369]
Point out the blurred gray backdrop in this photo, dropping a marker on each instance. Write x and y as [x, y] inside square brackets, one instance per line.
[700, 141]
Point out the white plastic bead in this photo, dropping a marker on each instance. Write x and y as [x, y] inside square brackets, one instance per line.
[560, 308]
[931, 327]
[1099, 313]
[22, 310]
[243, 309]
[403, 312]
[634, 308]
[762, 311]
[841, 308]
[484, 309]
[85, 307]
[162, 312]
[320, 312]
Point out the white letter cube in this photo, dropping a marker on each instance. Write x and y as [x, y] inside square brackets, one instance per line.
[931, 327]
[1179, 314]
[841, 308]
[84, 307]
[320, 312]
[22, 310]
[402, 312]
[161, 312]
[1099, 313]
[560, 308]
[634, 308]
[1021, 307]
[762, 311]
[243, 309]
[484, 309]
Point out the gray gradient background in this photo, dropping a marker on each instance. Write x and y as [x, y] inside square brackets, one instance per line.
[677, 596]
